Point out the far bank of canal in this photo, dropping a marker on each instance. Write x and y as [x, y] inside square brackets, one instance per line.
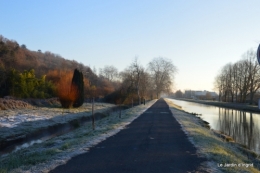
[238, 106]
[242, 126]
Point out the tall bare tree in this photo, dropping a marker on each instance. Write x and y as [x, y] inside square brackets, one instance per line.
[253, 73]
[136, 81]
[138, 72]
[145, 84]
[162, 73]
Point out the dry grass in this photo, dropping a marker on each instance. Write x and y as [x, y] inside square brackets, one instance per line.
[13, 104]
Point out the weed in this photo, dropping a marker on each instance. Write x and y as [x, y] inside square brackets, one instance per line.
[52, 151]
[65, 146]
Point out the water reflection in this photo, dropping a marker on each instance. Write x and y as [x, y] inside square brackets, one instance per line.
[243, 127]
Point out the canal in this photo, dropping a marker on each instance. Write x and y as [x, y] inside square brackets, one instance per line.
[242, 126]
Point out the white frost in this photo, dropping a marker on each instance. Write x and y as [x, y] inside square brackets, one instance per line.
[13, 121]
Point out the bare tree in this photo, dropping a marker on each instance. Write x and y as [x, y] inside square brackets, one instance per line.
[253, 73]
[138, 72]
[235, 81]
[228, 82]
[109, 72]
[136, 81]
[145, 84]
[240, 80]
[128, 79]
[218, 86]
[232, 81]
[162, 72]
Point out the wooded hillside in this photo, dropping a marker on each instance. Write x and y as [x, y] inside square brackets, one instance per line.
[34, 74]
[22, 69]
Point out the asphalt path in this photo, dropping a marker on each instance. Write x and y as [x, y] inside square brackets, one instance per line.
[152, 143]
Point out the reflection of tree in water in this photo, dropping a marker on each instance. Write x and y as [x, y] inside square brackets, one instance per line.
[240, 126]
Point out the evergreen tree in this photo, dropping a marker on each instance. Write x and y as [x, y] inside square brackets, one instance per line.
[77, 81]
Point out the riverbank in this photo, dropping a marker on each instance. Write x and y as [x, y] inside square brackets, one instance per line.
[223, 156]
[237, 106]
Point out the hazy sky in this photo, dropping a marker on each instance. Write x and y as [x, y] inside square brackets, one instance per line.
[198, 36]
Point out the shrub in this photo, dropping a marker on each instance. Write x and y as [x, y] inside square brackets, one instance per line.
[66, 92]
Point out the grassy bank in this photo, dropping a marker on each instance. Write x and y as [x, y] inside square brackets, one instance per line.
[218, 152]
[47, 155]
[46, 117]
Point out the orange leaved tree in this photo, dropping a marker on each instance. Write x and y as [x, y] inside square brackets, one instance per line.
[67, 92]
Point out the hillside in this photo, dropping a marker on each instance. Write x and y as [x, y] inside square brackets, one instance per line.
[13, 55]
[17, 57]
[35, 74]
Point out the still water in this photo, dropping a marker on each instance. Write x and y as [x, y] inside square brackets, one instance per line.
[243, 127]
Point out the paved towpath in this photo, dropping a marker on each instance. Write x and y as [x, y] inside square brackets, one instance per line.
[152, 143]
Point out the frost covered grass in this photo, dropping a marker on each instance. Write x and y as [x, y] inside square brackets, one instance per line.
[15, 123]
[211, 146]
[13, 117]
[47, 155]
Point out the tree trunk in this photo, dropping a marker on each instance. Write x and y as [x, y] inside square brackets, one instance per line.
[251, 97]
[93, 117]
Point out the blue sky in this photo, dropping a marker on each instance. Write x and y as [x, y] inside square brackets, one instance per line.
[198, 36]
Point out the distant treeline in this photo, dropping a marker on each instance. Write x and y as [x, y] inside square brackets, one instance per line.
[240, 81]
[34, 74]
